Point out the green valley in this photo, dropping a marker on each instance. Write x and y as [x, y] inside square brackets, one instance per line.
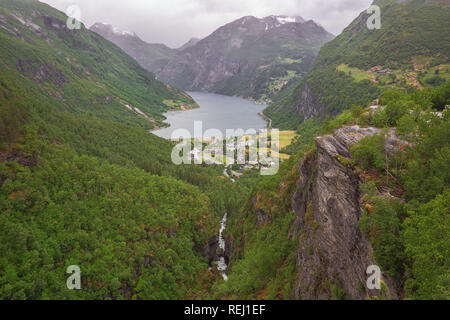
[82, 182]
[363, 179]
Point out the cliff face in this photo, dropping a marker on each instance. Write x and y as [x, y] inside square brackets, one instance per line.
[327, 203]
[300, 233]
[306, 107]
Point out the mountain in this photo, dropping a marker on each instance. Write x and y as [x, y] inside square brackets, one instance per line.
[250, 57]
[66, 62]
[152, 57]
[83, 182]
[411, 50]
[192, 42]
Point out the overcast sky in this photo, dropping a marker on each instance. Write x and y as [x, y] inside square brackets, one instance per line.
[174, 22]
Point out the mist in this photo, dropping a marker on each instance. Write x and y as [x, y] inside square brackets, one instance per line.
[175, 22]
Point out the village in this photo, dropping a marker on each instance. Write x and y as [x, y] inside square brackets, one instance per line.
[248, 154]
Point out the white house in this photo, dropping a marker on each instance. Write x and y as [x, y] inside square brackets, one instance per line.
[196, 154]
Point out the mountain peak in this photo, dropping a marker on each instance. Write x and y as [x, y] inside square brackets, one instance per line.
[272, 22]
[105, 27]
[151, 56]
[257, 55]
[192, 42]
[282, 19]
[272, 19]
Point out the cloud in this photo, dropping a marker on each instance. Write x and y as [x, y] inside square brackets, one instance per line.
[174, 22]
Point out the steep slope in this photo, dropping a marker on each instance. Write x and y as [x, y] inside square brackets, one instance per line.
[250, 57]
[192, 42]
[372, 189]
[127, 230]
[89, 188]
[77, 70]
[328, 204]
[411, 50]
[316, 207]
[152, 57]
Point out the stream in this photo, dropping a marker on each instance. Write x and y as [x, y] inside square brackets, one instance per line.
[221, 265]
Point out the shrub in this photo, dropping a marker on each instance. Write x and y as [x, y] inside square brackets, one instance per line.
[426, 241]
[345, 118]
[397, 109]
[369, 152]
[380, 119]
[356, 110]
[383, 226]
[435, 81]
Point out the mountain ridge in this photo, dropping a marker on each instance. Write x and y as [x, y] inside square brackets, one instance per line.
[246, 67]
[66, 61]
[356, 66]
[249, 57]
[151, 56]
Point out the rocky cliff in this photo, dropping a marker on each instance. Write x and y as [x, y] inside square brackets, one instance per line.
[328, 204]
[299, 232]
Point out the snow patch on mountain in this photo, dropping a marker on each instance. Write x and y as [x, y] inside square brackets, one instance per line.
[113, 29]
[122, 32]
[284, 20]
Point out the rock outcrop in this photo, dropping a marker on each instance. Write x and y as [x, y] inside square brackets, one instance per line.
[333, 253]
[306, 107]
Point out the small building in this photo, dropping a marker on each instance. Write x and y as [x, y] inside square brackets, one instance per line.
[236, 174]
[196, 154]
[384, 71]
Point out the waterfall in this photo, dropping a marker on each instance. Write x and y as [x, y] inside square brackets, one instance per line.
[221, 265]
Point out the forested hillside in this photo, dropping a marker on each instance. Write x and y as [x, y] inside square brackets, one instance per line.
[82, 183]
[78, 70]
[372, 188]
[410, 51]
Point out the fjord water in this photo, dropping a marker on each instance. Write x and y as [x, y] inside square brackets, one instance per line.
[216, 112]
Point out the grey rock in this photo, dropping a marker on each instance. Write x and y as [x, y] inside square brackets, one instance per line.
[327, 203]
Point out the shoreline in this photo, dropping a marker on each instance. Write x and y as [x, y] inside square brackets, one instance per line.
[260, 114]
[266, 118]
[173, 110]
